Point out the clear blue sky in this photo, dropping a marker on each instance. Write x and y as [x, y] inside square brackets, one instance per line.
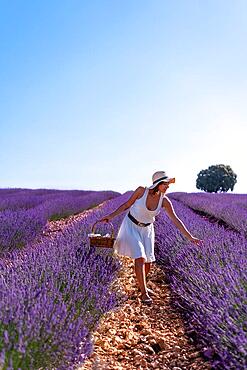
[100, 94]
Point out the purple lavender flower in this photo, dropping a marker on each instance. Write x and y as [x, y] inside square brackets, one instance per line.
[53, 294]
[209, 283]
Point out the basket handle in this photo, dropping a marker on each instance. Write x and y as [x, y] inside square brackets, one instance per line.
[112, 227]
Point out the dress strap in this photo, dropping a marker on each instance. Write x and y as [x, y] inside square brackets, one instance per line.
[160, 201]
[145, 194]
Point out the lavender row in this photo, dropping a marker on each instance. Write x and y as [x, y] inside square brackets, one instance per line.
[52, 296]
[20, 226]
[210, 284]
[229, 208]
[17, 228]
[66, 204]
[23, 199]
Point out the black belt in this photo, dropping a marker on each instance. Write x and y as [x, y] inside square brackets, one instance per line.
[133, 219]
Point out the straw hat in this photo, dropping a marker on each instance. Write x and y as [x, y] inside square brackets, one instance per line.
[160, 176]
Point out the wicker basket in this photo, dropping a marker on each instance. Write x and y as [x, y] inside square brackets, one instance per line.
[102, 241]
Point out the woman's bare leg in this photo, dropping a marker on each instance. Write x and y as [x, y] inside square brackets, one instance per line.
[147, 267]
[141, 276]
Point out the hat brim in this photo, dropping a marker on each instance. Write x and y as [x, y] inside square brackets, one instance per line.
[168, 180]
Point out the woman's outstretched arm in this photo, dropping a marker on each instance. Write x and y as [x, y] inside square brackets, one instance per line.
[167, 205]
[137, 194]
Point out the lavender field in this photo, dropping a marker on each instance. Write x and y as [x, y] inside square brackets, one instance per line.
[210, 283]
[24, 212]
[52, 295]
[231, 209]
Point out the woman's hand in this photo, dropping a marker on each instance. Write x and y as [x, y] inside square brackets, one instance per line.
[195, 240]
[104, 219]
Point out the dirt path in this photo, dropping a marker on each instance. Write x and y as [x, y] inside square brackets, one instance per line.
[54, 227]
[136, 336]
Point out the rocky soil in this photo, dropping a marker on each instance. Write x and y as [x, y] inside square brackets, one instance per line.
[137, 336]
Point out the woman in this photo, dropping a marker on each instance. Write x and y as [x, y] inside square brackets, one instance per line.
[136, 234]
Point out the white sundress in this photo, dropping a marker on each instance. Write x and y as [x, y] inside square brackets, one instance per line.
[138, 241]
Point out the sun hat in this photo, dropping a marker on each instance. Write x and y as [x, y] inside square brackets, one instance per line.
[160, 176]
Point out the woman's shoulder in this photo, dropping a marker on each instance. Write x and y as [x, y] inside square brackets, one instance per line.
[140, 191]
[165, 200]
[137, 194]
[142, 188]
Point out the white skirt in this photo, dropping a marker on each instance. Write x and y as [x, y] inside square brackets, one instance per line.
[135, 241]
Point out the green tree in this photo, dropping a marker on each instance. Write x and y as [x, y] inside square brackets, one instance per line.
[217, 178]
